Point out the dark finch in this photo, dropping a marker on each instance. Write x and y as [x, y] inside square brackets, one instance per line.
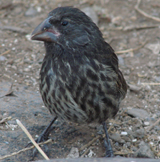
[80, 80]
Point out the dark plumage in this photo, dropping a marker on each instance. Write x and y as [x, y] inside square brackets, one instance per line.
[79, 80]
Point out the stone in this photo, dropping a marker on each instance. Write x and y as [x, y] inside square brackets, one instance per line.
[3, 58]
[137, 113]
[144, 151]
[121, 61]
[31, 12]
[74, 153]
[116, 137]
[134, 88]
[155, 48]
[139, 133]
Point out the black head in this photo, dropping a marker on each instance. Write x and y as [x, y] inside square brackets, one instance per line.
[69, 27]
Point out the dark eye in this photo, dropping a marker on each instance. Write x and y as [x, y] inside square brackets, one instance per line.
[64, 23]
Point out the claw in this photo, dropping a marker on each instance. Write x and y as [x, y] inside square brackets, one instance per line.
[107, 144]
[43, 137]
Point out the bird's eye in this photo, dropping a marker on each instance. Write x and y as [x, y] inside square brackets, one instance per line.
[64, 23]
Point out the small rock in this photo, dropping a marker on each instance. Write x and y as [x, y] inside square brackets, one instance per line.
[134, 88]
[134, 140]
[124, 133]
[2, 58]
[139, 133]
[91, 13]
[31, 12]
[134, 148]
[127, 139]
[116, 144]
[155, 48]
[139, 113]
[121, 61]
[116, 137]
[146, 123]
[130, 133]
[144, 151]
[128, 144]
[157, 128]
[26, 69]
[74, 153]
[100, 130]
[138, 54]
[157, 79]
[117, 20]
[91, 153]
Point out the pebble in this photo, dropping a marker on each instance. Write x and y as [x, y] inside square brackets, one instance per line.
[134, 148]
[139, 113]
[117, 20]
[100, 130]
[3, 58]
[121, 61]
[127, 139]
[26, 69]
[139, 133]
[155, 48]
[134, 140]
[128, 144]
[31, 12]
[124, 133]
[74, 153]
[144, 151]
[134, 88]
[116, 137]
[130, 134]
[157, 128]
[157, 79]
[146, 123]
[91, 153]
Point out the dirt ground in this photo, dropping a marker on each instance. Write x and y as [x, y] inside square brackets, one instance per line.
[136, 40]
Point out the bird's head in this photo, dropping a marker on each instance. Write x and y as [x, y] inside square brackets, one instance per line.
[67, 26]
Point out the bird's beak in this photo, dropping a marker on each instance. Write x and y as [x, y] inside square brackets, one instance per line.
[45, 31]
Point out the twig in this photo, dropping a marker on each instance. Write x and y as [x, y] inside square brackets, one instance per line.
[32, 140]
[123, 153]
[85, 153]
[93, 140]
[155, 84]
[154, 124]
[4, 53]
[25, 149]
[141, 27]
[14, 29]
[5, 119]
[89, 143]
[134, 27]
[144, 13]
[115, 29]
[6, 6]
[132, 49]
[9, 93]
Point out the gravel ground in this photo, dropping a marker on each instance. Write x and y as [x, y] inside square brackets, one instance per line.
[134, 132]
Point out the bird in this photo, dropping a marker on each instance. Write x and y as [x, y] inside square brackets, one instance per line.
[80, 79]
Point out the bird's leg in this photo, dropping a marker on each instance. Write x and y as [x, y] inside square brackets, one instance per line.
[44, 135]
[107, 144]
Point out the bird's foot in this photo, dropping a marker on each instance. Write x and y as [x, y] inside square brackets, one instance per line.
[107, 144]
[109, 151]
[43, 137]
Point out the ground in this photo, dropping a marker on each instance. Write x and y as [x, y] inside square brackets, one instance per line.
[136, 40]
